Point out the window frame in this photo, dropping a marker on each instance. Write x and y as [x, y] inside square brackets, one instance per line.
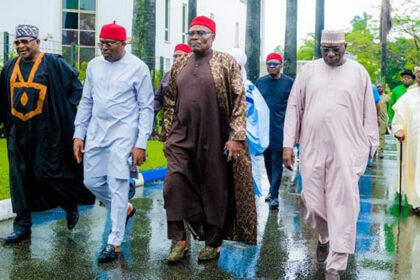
[167, 24]
[184, 26]
[79, 12]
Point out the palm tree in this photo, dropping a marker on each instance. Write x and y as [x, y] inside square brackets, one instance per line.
[385, 26]
[319, 26]
[290, 46]
[252, 38]
[144, 31]
[192, 10]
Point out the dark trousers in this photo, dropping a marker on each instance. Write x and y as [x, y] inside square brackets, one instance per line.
[273, 164]
[200, 230]
[23, 220]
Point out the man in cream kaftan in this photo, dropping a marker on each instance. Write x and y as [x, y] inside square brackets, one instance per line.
[406, 127]
[331, 109]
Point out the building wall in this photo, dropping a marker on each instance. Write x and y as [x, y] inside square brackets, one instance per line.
[109, 10]
[230, 17]
[166, 48]
[226, 13]
[43, 13]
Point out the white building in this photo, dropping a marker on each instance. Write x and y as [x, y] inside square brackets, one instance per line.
[62, 22]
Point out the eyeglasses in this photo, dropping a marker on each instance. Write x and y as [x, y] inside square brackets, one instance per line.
[108, 44]
[332, 49]
[23, 41]
[273, 64]
[199, 33]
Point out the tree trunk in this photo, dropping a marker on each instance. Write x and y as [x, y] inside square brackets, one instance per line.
[192, 10]
[383, 60]
[144, 31]
[290, 46]
[252, 38]
[319, 26]
[385, 26]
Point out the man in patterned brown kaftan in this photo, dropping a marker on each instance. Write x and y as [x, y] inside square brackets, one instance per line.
[209, 183]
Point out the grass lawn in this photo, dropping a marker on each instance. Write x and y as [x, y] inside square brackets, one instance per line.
[4, 171]
[155, 159]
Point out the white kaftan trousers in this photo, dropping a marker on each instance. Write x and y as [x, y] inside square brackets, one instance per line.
[113, 193]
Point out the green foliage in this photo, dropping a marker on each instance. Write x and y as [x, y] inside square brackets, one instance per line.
[399, 52]
[156, 76]
[364, 47]
[138, 46]
[82, 70]
[144, 31]
[307, 50]
[403, 47]
[279, 49]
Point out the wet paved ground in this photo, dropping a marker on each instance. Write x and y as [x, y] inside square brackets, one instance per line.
[387, 247]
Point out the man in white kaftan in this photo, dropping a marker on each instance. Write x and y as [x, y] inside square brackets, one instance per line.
[406, 127]
[331, 109]
[114, 120]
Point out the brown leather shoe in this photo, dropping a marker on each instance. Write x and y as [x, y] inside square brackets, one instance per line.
[332, 274]
[322, 251]
[208, 253]
[179, 251]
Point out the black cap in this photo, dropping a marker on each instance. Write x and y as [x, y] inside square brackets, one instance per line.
[408, 72]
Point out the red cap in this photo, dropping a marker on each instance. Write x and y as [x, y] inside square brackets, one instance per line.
[183, 48]
[204, 21]
[274, 56]
[113, 31]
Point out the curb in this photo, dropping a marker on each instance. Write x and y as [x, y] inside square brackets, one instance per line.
[145, 177]
[6, 211]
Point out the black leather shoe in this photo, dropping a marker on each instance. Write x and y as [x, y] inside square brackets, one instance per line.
[17, 236]
[274, 204]
[268, 198]
[133, 211]
[108, 254]
[322, 251]
[72, 218]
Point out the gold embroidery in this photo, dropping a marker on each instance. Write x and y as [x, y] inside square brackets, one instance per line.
[24, 99]
[20, 83]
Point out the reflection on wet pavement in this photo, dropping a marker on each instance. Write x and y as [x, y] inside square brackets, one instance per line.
[387, 247]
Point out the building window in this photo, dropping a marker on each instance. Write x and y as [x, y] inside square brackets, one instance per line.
[167, 20]
[184, 23]
[167, 64]
[79, 29]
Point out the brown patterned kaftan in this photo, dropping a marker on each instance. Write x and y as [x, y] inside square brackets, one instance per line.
[185, 198]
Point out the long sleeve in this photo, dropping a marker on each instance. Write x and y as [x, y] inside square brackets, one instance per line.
[370, 123]
[158, 102]
[238, 116]
[169, 97]
[294, 112]
[145, 98]
[398, 120]
[84, 112]
[3, 98]
[69, 78]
